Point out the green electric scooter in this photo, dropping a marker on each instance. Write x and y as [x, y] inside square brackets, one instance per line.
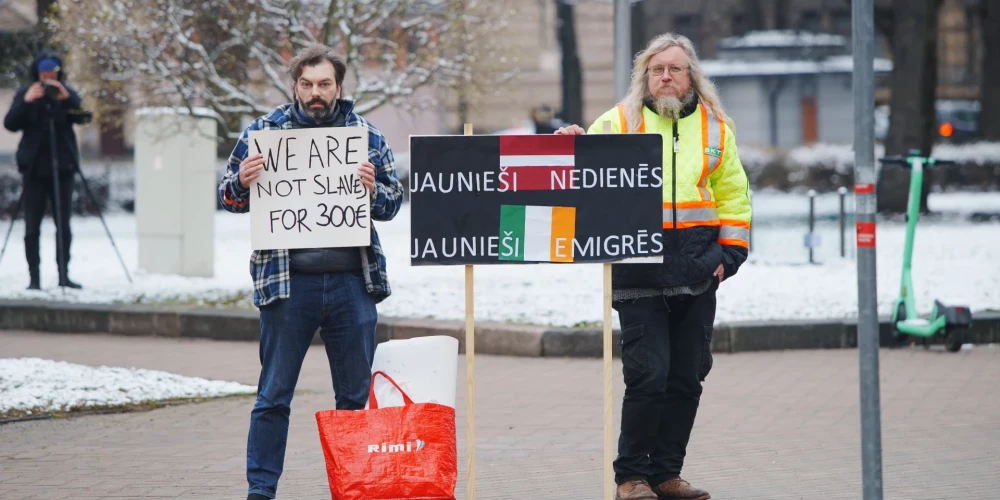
[949, 322]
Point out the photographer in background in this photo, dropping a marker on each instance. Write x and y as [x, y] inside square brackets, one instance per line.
[47, 158]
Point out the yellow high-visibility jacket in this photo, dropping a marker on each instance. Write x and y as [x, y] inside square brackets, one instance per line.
[706, 198]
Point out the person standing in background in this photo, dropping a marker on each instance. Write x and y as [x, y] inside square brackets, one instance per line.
[47, 157]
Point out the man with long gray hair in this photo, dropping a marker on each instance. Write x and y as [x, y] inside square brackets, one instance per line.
[667, 310]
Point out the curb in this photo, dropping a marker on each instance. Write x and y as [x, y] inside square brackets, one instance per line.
[491, 338]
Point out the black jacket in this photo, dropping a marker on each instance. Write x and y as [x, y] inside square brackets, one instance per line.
[32, 119]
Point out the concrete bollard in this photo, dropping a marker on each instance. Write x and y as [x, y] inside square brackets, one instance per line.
[842, 217]
[811, 237]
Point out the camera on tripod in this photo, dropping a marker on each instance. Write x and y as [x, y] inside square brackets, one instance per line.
[80, 116]
[77, 116]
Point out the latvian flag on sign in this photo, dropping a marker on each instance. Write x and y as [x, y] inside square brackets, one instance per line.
[537, 234]
[538, 162]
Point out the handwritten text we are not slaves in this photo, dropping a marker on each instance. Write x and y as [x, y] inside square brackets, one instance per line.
[327, 155]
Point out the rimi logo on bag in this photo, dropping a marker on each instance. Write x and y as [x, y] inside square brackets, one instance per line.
[415, 445]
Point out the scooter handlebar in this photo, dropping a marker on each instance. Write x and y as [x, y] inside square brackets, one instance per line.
[943, 162]
[904, 162]
[895, 160]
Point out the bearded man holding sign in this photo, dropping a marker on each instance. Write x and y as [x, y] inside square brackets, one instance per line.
[298, 290]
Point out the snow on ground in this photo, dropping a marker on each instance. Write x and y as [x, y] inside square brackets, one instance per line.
[980, 153]
[732, 67]
[954, 260]
[841, 156]
[41, 385]
[771, 206]
[783, 38]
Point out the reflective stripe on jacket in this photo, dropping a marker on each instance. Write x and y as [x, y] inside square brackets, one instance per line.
[706, 200]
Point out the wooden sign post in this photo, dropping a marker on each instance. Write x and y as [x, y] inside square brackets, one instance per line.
[470, 372]
[609, 475]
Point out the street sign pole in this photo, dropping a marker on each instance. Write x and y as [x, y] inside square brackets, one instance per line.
[863, 86]
[623, 47]
[623, 74]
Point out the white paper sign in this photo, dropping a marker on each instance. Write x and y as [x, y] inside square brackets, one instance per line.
[309, 193]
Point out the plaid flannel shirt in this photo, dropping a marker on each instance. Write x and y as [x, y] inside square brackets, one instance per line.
[270, 268]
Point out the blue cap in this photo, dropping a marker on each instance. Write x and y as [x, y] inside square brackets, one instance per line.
[48, 64]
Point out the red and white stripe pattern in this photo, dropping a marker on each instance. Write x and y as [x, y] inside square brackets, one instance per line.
[537, 159]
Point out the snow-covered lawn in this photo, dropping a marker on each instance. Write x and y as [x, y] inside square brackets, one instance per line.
[31, 386]
[954, 260]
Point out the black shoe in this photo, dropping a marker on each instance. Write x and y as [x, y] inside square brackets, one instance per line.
[257, 496]
[69, 284]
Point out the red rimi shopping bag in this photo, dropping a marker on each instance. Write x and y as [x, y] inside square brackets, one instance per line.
[401, 452]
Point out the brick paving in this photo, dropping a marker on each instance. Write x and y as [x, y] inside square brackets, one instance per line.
[772, 425]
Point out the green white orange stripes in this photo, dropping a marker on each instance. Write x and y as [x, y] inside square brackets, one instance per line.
[536, 233]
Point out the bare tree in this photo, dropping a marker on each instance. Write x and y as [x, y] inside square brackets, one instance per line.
[914, 84]
[782, 14]
[19, 45]
[230, 55]
[17, 49]
[756, 15]
[572, 71]
[884, 19]
[45, 9]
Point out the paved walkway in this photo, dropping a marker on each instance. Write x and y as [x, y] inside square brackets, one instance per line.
[774, 425]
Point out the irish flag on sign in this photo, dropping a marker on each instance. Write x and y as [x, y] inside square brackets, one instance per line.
[537, 234]
[538, 160]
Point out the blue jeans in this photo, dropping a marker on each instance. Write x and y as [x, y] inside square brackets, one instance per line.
[339, 305]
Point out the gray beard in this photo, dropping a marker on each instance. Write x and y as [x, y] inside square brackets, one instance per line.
[670, 106]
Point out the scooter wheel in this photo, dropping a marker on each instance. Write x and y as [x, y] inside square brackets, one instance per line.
[953, 339]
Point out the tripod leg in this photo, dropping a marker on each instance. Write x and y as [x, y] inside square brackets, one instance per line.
[57, 214]
[86, 188]
[13, 219]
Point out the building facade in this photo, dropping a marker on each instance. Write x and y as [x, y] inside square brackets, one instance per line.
[535, 53]
[708, 22]
[785, 88]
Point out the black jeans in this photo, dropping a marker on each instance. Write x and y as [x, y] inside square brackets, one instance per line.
[666, 355]
[38, 194]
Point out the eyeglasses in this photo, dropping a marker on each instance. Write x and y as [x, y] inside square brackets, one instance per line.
[674, 70]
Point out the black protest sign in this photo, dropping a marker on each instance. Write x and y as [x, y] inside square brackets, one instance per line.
[309, 193]
[538, 198]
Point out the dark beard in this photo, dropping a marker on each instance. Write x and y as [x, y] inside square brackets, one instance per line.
[671, 107]
[318, 115]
